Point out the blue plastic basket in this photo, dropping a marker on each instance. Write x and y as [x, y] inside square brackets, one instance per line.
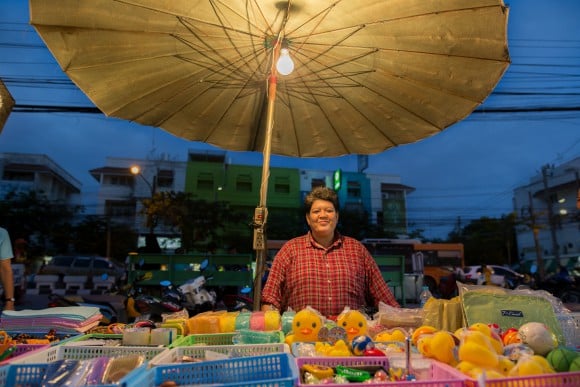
[30, 375]
[267, 370]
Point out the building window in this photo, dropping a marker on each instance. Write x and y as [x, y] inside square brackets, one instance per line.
[244, 183]
[119, 208]
[282, 185]
[125, 181]
[353, 189]
[392, 195]
[205, 182]
[165, 179]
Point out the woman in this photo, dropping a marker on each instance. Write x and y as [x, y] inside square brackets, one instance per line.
[324, 269]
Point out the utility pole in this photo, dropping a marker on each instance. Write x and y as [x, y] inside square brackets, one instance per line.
[551, 219]
[536, 230]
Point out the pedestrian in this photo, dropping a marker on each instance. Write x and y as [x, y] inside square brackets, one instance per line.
[6, 275]
[324, 269]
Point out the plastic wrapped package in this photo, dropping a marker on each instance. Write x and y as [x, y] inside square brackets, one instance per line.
[391, 317]
[206, 322]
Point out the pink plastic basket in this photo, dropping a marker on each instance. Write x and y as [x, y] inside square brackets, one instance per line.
[442, 375]
[561, 379]
[23, 350]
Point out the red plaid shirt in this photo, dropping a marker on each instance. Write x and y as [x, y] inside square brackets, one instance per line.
[305, 274]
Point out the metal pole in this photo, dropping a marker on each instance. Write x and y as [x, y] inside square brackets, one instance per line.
[261, 212]
[536, 231]
[551, 218]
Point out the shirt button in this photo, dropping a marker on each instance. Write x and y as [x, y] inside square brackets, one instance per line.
[328, 281]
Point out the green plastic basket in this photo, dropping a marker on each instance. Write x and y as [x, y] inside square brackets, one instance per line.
[205, 339]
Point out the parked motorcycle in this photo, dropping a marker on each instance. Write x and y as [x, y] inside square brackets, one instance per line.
[141, 306]
[238, 302]
[566, 289]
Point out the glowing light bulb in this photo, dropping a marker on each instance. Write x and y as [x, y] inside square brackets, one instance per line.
[285, 65]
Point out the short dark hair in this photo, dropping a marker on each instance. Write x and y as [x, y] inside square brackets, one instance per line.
[320, 193]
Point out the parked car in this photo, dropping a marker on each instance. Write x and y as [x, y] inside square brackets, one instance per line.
[82, 265]
[500, 276]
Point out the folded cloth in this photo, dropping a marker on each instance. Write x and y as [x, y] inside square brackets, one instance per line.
[72, 312]
[63, 319]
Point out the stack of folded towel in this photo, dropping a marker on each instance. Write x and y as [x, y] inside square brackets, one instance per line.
[68, 319]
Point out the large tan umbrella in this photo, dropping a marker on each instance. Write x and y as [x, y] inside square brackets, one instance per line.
[6, 104]
[369, 75]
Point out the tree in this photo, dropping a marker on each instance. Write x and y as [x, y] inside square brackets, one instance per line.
[95, 233]
[487, 240]
[199, 222]
[45, 224]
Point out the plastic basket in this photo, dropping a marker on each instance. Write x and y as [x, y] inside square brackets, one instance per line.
[561, 379]
[85, 352]
[31, 375]
[175, 355]
[442, 375]
[205, 339]
[267, 370]
[109, 339]
[22, 350]
[25, 349]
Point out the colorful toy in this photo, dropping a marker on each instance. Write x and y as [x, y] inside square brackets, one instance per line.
[305, 327]
[439, 346]
[531, 365]
[561, 358]
[353, 322]
[494, 337]
[539, 337]
[394, 334]
[360, 344]
[477, 349]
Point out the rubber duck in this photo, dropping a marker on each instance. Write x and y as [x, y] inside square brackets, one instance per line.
[305, 327]
[391, 335]
[353, 322]
[531, 365]
[440, 346]
[476, 348]
[494, 337]
[422, 330]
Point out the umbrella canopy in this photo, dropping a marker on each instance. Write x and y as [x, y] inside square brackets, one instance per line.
[369, 75]
[6, 104]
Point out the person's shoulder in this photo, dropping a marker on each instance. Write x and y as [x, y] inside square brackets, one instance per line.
[299, 240]
[350, 240]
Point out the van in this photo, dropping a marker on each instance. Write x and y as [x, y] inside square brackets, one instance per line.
[82, 265]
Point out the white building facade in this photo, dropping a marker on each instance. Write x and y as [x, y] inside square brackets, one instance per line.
[548, 213]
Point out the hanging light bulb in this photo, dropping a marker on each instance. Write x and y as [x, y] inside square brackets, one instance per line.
[285, 65]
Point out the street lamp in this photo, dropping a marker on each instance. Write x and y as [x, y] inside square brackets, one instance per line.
[151, 240]
[136, 171]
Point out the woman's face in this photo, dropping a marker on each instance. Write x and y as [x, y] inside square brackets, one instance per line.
[322, 218]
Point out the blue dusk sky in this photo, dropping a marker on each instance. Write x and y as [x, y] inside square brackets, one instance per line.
[467, 171]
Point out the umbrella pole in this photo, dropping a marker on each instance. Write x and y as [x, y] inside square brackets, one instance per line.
[261, 212]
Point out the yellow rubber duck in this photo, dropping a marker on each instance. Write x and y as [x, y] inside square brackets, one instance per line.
[422, 330]
[340, 348]
[476, 348]
[494, 338]
[353, 322]
[391, 335]
[305, 327]
[531, 365]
